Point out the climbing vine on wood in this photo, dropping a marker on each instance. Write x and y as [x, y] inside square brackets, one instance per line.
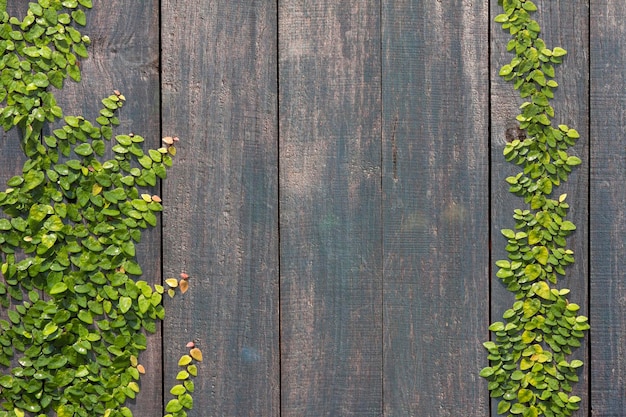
[528, 367]
[75, 312]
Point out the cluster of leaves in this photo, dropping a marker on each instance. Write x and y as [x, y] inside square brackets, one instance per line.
[75, 311]
[38, 51]
[529, 371]
[182, 391]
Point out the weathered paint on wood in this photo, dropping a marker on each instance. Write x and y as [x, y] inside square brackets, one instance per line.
[221, 220]
[436, 224]
[330, 202]
[564, 24]
[608, 209]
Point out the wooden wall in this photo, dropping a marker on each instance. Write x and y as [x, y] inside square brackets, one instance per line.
[338, 194]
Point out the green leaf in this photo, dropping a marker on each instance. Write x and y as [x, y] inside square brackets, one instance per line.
[508, 233]
[531, 307]
[525, 395]
[32, 179]
[573, 161]
[58, 288]
[79, 17]
[529, 6]
[518, 408]
[186, 401]
[178, 390]
[542, 289]
[505, 70]
[173, 406]
[497, 326]
[532, 272]
[125, 304]
[85, 316]
[132, 268]
[48, 240]
[65, 411]
[5, 225]
[503, 407]
[74, 72]
[568, 226]
[84, 149]
[501, 18]
[541, 254]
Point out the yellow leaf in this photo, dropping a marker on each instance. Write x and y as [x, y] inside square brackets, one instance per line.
[184, 360]
[172, 282]
[96, 189]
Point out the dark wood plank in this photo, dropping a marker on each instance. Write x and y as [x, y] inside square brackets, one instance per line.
[563, 24]
[11, 155]
[608, 209]
[435, 182]
[221, 215]
[330, 200]
[124, 55]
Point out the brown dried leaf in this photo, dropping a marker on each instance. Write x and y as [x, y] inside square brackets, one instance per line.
[196, 354]
[184, 286]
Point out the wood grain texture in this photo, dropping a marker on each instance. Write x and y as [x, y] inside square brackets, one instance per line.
[435, 182]
[11, 155]
[608, 209]
[124, 55]
[330, 201]
[564, 24]
[221, 204]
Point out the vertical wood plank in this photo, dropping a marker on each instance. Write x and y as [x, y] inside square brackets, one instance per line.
[11, 155]
[124, 56]
[564, 24]
[608, 208]
[435, 182]
[330, 201]
[221, 216]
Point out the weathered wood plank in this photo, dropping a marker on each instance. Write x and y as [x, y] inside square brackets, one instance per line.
[11, 155]
[564, 24]
[330, 199]
[221, 216]
[435, 182]
[608, 208]
[124, 55]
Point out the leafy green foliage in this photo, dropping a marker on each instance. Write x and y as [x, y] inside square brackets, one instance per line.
[76, 312]
[529, 371]
[39, 51]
